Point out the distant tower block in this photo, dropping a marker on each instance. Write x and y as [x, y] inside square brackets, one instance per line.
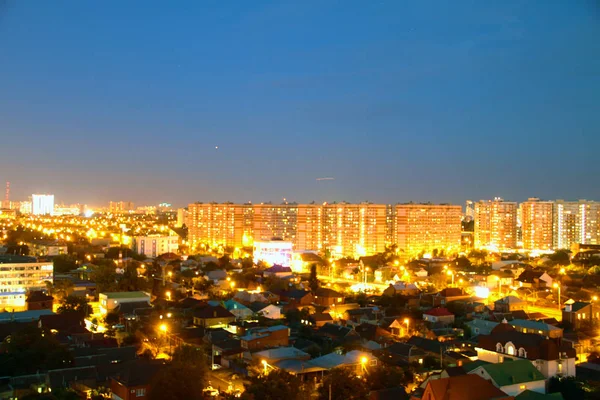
[6, 202]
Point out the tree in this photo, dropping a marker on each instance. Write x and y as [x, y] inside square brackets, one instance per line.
[568, 386]
[439, 280]
[112, 318]
[184, 378]
[277, 385]
[384, 377]
[74, 304]
[343, 385]
[60, 289]
[313, 280]
[32, 349]
[561, 257]
[64, 263]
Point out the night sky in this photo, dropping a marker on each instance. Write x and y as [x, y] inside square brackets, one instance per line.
[436, 101]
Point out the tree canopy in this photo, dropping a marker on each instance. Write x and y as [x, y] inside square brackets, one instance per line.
[184, 378]
[345, 385]
[277, 385]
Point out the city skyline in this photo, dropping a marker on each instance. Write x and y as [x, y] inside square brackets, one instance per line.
[259, 102]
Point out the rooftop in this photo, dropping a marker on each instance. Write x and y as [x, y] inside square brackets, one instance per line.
[124, 295]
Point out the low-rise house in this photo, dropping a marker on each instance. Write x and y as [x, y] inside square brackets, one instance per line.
[401, 288]
[212, 316]
[23, 317]
[538, 327]
[513, 377]
[400, 326]
[238, 309]
[38, 300]
[132, 310]
[509, 304]
[481, 326]
[275, 355]
[278, 271]
[47, 248]
[338, 333]
[499, 280]
[579, 314]
[371, 332]
[262, 338]
[321, 319]
[462, 387]
[327, 297]
[448, 295]
[401, 354]
[439, 314]
[532, 278]
[552, 357]
[111, 300]
[267, 310]
[431, 347]
[296, 298]
[134, 383]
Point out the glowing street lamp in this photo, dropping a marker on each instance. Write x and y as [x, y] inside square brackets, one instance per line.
[363, 364]
[451, 274]
[499, 285]
[264, 363]
[168, 293]
[407, 321]
[163, 328]
[557, 286]
[595, 298]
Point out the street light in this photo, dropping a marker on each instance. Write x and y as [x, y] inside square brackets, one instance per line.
[264, 363]
[557, 286]
[407, 321]
[168, 293]
[499, 285]
[452, 274]
[363, 363]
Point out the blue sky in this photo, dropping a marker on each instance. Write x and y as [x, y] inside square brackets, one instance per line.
[397, 100]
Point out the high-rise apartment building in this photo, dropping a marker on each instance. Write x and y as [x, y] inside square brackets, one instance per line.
[343, 229]
[495, 224]
[18, 275]
[424, 228]
[42, 204]
[354, 229]
[215, 224]
[576, 222]
[537, 224]
[275, 221]
[309, 227]
[120, 207]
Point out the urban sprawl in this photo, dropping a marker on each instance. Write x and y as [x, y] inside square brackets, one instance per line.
[491, 300]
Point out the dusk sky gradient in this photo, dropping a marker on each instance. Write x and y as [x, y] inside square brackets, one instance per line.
[399, 101]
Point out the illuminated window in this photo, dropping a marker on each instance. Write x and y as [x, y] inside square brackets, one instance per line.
[559, 368]
[522, 387]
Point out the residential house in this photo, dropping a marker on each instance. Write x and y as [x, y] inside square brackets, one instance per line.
[262, 338]
[278, 271]
[462, 387]
[327, 297]
[513, 377]
[374, 333]
[538, 327]
[439, 314]
[400, 326]
[552, 357]
[579, 314]
[509, 304]
[212, 316]
[320, 319]
[499, 280]
[338, 333]
[481, 326]
[111, 300]
[534, 278]
[400, 354]
[431, 347]
[402, 289]
[269, 311]
[217, 275]
[275, 355]
[131, 310]
[134, 383]
[238, 309]
[296, 298]
[38, 300]
[448, 295]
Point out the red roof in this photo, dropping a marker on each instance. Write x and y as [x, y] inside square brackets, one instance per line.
[439, 312]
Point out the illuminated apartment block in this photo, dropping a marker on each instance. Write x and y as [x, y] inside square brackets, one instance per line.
[354, 229]
[219, 224]
[423, 228]
[18, 275]
[309, 227]
[537, 224]
[495, 224]
[576, 222]
[275, 221]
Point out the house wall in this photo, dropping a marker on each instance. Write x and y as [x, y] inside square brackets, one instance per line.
[210, 322]
[122, 392]
[535, 386]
